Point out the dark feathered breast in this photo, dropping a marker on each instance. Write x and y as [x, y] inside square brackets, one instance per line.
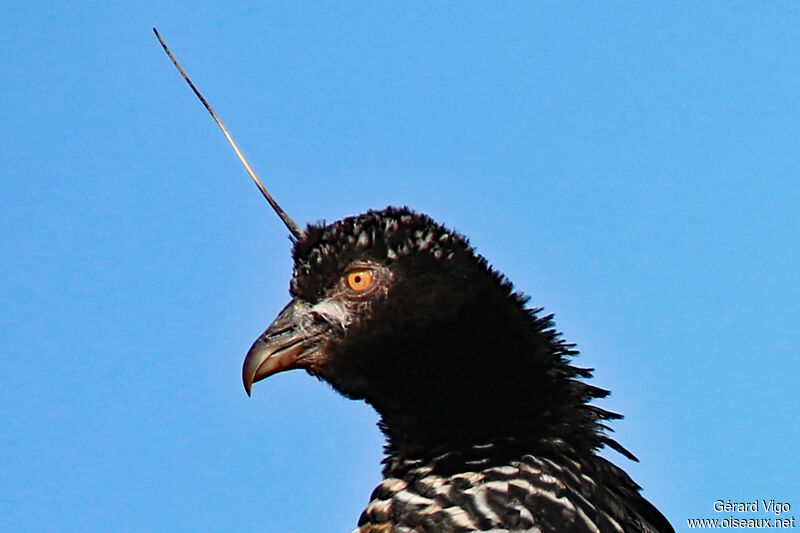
[559, 493]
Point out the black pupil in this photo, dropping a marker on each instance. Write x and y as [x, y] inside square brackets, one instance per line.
[357, 279]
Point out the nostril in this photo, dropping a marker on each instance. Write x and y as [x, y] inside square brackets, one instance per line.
[279, 333]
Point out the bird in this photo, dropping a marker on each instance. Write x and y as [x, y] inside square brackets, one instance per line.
[488, 425]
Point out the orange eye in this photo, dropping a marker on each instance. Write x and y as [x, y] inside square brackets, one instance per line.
[359, 280]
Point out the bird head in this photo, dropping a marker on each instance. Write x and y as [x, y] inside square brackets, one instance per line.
[400, 311]
[370, 294]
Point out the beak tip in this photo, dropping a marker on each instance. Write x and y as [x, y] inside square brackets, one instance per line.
[248, 384]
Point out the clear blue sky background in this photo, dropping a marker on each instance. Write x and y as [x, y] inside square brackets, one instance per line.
[634, 167]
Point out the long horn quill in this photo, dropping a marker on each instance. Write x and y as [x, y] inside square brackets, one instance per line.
[294, 229]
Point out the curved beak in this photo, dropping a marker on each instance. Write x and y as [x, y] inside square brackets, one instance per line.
[289, 342]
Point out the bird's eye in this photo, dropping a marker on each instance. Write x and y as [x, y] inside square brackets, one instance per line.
[359, 280]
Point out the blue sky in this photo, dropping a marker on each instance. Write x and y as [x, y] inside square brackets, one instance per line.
[633, 167]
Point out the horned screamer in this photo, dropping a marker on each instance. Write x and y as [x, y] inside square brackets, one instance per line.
[489, 426]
